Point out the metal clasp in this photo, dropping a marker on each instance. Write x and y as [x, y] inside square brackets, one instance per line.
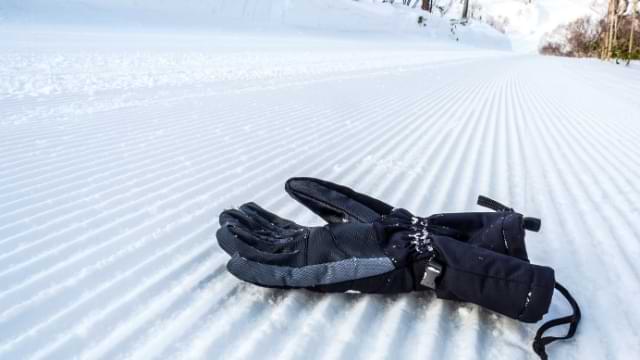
[431, 273]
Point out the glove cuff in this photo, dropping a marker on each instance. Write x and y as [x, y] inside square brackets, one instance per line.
[539, 296]
[498, 282]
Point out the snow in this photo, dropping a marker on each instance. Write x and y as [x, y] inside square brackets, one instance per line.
[120, 145]
[339, 17]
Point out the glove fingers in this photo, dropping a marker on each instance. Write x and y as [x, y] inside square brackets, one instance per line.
[336, 203]
[306, 276]
[226, 240]
[267, 219]
[231, 239]
[237, 218]
[263, 243]
[235, 224]
[247, 251]
[236, 241]
[233, 244]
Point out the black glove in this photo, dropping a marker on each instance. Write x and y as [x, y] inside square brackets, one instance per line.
[369, 246]
[501, 231]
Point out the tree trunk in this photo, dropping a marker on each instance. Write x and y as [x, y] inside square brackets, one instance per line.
[633, 29]
[427, 5]
[615, 35]
[465, 10]
[613, 6]
[604, 49]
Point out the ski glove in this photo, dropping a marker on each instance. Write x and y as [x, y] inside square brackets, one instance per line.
[368, 246]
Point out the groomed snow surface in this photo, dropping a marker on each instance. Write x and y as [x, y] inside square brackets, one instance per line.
[118, 149]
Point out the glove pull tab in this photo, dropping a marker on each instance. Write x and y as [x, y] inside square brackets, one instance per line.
[532, 224]
[492, 204]
[539, 343]
[529, 223]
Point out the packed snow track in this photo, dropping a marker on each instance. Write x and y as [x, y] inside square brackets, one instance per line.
[117, 153]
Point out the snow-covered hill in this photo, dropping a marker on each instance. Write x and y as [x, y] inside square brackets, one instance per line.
[525, 21]
[322, 16]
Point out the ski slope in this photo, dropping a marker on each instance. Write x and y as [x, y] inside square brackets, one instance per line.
[119, 149]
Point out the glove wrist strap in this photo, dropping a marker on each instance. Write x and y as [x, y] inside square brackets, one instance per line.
[539, 343]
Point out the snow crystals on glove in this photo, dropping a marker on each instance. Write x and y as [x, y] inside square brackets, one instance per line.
[420, 236]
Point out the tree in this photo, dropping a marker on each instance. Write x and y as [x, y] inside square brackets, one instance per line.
[634, 20]
[607, 49]
[427, 5]
[580, 38]
[465, 11]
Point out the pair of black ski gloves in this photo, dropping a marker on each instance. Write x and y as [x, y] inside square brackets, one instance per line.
[369, 246]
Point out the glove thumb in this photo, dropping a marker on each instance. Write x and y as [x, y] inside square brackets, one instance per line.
[335, 203]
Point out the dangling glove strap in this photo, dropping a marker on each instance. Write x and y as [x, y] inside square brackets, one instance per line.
[539, 343]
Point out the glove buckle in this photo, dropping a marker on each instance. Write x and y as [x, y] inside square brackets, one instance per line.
[431, 273]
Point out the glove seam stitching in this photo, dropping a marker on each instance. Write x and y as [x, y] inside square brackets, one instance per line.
[336, 244]
[306, 247]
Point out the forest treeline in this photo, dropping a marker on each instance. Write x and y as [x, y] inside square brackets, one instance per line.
[615, 36]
